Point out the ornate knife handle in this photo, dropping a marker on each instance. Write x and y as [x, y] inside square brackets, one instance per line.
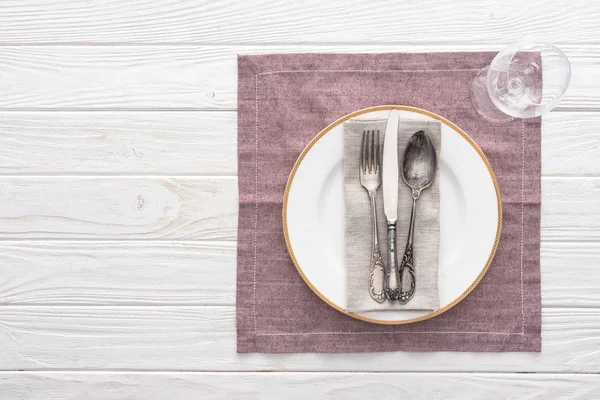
[407, 266]
[392, 289]
[377, 267]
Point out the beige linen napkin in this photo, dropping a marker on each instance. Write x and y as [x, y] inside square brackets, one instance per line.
[358, 221]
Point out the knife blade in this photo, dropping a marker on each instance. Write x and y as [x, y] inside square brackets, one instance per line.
[390, 175]
[390, 168]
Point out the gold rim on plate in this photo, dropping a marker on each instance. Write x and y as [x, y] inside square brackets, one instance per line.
[329, 128]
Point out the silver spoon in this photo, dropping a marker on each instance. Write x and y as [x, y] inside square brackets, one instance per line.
[418, 171]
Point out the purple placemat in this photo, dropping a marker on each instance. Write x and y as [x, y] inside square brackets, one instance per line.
[283, 102]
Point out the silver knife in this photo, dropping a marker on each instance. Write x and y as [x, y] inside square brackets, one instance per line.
[390, 174]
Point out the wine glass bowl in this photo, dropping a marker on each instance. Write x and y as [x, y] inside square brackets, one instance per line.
[524, 80]
[527, 80]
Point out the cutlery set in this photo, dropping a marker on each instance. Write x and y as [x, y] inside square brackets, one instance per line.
[393, 282]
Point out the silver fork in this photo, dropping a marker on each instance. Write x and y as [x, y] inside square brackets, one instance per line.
[370, 178]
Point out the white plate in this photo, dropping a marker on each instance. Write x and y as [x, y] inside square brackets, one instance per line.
[470, 216]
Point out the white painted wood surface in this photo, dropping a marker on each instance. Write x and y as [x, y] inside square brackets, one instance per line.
[128, 273]
[99, 273]
[202, 338]
[298, 386]
[268, 21]
[204, 208]
[192, 77]
[131, 143]
[118, 199]
[204, 143]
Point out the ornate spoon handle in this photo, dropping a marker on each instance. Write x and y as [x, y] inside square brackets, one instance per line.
[407, 265]
[377, 269]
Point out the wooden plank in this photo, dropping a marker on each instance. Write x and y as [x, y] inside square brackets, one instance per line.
[123, 208]
[203, 338]
[190, 77]
[570, 209]
[570, 274]
[184, 143]
[571, 144]
[164, 21]
[203, 273]
[296, 385]
[109, 77]
[206, 208]
[118, 142]
[117, 273]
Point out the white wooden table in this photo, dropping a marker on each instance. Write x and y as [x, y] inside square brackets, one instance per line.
[118, 199]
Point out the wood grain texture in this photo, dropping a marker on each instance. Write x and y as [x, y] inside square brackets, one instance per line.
[206, 208]
[571, 144]
[117, 273]
[118, 142]
[183, 143]
[110, 77]
[203, 21]
[118, 225]
[295, 385]
[570, 274]
[191, 77]
[203, 339]
[123, 208]
[570, 209]
[203, 273]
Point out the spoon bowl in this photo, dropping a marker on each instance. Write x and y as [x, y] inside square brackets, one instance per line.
[420, 160]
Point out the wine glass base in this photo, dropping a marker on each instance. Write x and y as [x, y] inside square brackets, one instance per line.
[482, 102]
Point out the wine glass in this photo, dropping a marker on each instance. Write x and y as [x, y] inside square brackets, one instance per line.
[525, 80]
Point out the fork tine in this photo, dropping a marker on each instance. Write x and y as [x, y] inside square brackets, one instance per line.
[373, 151]
[377, 166]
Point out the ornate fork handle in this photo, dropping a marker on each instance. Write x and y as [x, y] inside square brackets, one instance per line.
[377, 266]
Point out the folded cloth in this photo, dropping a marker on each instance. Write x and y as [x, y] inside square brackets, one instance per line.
[358, 226]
